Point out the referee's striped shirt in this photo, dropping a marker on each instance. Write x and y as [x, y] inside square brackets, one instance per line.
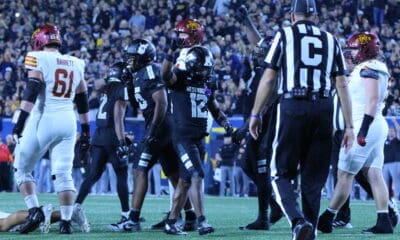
[305, 57]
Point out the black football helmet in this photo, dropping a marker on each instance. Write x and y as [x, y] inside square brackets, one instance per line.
[199, 63]
[115, 73]
[139, 53]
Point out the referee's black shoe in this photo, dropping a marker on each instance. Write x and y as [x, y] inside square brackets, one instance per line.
[302, 230]
[258, 224]
[35, 217]
[325, 222]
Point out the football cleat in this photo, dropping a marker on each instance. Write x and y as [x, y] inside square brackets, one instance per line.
[66, 227]
[205, 228]
[302, 230]
[33, 221]
[378, 230]
[45, 225]
[256, 225]
[125, 225]
[325, 222]
[79, 217]
[173, 229]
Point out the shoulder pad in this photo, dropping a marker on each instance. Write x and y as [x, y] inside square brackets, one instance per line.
[369, 73]
[375, 65]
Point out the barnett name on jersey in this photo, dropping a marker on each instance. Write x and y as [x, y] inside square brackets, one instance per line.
[61, 74]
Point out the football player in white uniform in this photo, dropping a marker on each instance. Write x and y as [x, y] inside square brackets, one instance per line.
[55, 81]
[368, 85]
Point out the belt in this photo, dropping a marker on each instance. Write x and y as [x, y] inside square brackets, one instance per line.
[308, 95]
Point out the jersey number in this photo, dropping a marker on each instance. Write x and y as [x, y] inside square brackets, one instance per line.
[62, 78]
[102, 114]
[142, 102]
[198, 102]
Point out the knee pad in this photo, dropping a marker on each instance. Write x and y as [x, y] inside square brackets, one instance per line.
[22, 177]
[63, 182]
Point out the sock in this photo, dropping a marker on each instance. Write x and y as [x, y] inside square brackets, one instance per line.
[125, 214]
[66, 212]
[31, 201]
[333, 211]
[170, 221]
[382, 211]
[134, 215]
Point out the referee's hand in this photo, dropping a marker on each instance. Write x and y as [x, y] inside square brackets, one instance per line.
[255, 125]
[348, 139]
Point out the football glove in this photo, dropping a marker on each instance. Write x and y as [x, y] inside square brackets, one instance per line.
[123, 153]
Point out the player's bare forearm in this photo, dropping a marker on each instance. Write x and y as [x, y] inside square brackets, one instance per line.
[161, 105]
[252, 34]
[265, 90]
[26, 106]
[84, 118]
[119, 116]
[216, 113]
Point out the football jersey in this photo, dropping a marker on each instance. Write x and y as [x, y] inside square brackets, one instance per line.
[61, 74]
[357, 90]
[147, 81]
[105, 130]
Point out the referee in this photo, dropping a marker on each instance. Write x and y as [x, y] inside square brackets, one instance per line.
[308, 60]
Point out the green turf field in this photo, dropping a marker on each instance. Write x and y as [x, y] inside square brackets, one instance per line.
[225, 214]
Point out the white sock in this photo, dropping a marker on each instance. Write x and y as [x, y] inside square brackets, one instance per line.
[125, 214]
[382, 211]
[31, 201]
[66, 212]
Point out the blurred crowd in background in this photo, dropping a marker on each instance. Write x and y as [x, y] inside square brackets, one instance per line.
[98, 31]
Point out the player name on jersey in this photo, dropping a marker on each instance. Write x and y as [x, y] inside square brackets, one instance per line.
[65, 62]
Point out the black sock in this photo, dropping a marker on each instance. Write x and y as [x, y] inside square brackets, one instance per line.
[170, 221]
[134, 215]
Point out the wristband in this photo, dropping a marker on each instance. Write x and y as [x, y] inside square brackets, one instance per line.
[255, 115]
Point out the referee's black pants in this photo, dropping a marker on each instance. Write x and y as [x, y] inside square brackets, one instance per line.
[302, 145]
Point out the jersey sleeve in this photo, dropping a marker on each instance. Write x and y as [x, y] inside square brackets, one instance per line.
[339, 65]
[33, 61]
[154, 81]
[274, 56]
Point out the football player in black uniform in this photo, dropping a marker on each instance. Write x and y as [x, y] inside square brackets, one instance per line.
[258, 152]
[191, 101]
[148, 90]
[108, 142]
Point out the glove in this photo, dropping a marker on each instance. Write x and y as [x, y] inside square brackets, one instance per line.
[84, 143]
[228, 128]
[123, 153]
[126, 75]
[238, 135]
[362, 133]
[361, 138]
[175, 44]
[150, 138]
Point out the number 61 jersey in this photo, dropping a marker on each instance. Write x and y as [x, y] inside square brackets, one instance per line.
[61, 74]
